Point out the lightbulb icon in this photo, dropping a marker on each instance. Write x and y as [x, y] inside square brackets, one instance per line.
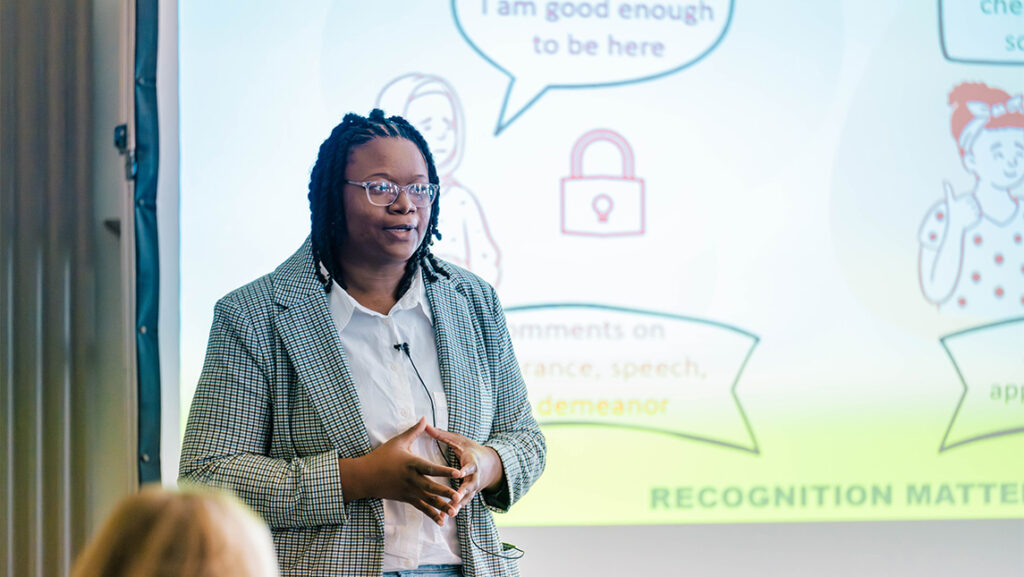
[603, 206]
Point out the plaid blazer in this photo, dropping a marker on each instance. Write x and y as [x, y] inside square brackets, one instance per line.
[276, 406]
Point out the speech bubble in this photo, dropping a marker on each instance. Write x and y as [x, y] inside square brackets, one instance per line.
[545, 45]
[599, 365]
[990, 363]
[983, 31]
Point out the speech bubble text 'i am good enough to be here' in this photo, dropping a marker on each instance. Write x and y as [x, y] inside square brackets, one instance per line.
[541, 45]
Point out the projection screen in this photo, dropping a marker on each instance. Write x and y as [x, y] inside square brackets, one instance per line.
[762, 263]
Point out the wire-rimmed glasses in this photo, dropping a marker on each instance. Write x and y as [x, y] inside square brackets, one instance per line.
[384, 193]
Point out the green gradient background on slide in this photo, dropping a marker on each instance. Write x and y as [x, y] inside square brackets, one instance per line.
[605, 476]
[892, 450]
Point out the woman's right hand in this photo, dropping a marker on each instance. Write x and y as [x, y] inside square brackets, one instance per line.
[964, 211]
[393, 471]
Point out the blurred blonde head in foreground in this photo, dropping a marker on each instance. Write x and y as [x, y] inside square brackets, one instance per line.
[158, 533]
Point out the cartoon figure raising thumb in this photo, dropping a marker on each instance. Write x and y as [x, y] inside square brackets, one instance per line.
[972, 243]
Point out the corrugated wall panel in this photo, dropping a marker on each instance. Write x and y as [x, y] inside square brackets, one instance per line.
[66, 412]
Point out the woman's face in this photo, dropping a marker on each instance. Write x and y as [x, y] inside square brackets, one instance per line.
[432, 115]
[383, 235]
[997, 157]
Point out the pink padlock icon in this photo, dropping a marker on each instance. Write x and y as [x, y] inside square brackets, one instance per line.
[602, 205]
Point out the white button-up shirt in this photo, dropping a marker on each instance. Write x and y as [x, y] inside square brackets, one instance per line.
[393, 400]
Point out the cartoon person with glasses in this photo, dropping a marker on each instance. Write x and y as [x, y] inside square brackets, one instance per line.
[972, 244]
[432, 106]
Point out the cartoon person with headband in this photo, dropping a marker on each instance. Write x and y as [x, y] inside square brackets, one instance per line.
[429, 102]
[972, 244]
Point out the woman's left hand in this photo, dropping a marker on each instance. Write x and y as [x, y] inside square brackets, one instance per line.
[480, 466]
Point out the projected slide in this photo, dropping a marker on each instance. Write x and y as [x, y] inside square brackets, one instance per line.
[759, 263]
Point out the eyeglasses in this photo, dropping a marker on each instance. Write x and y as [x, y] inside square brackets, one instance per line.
[384, 193]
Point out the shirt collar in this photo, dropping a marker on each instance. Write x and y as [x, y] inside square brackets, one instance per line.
[343, 306]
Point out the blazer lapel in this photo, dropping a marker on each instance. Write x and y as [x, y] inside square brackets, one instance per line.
[456, 355]
[314, 349]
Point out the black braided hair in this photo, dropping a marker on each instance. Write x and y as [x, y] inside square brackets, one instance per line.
[327, 210]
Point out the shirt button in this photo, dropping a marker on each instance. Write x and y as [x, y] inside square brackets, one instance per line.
[405, 413]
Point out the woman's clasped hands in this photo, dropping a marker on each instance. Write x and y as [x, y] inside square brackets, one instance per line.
[393, 471]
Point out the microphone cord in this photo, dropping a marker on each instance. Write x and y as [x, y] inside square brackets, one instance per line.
[518, 554]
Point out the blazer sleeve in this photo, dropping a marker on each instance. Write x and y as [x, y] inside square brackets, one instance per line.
[515, 434]
[228, 435]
